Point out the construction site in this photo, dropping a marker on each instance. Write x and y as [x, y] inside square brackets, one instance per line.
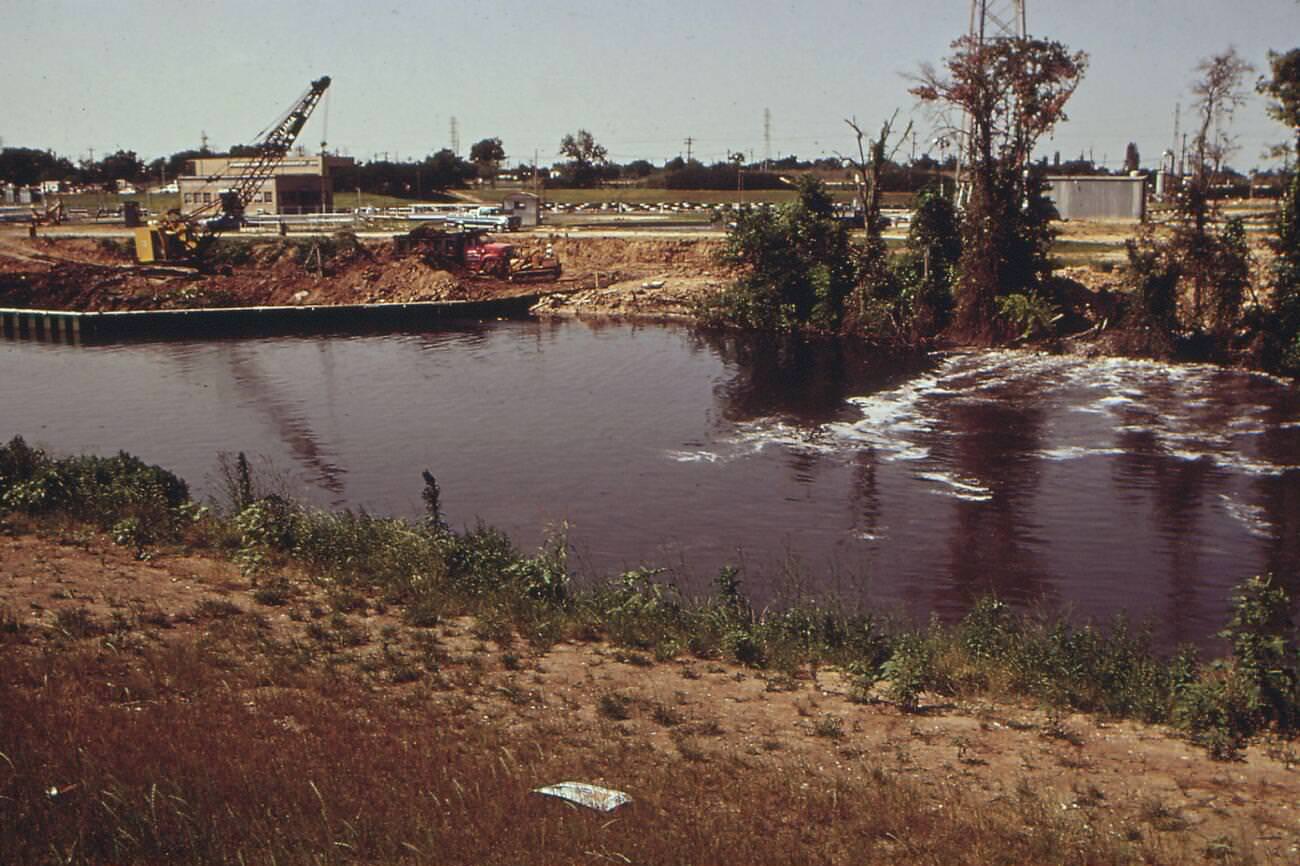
[259, 231]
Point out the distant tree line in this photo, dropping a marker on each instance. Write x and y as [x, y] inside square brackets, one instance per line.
[26, 165]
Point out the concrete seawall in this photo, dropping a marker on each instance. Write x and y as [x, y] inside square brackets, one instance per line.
[75, 326]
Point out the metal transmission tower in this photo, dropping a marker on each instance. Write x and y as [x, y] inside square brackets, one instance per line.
[989, 20]
[997, 19]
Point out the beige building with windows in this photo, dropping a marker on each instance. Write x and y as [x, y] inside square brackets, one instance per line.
[299, 184]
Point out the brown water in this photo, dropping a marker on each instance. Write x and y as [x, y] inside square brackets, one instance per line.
[1089, 486]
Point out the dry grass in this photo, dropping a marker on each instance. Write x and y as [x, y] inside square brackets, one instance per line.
[179, 755]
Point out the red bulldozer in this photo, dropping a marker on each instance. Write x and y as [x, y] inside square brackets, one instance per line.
[472, 250]
[483, 256]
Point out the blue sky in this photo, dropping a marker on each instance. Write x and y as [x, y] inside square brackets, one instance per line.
[153, 76]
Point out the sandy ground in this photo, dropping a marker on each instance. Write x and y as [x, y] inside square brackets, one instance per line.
[689, 709]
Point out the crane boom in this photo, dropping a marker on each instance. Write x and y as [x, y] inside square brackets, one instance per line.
[178, 236]
[272, 149]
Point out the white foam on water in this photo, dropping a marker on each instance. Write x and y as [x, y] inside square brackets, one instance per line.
[1175, 405]
[695, 456]
[757, 435]
[1242, 463]
[1252, 517]
[958, 488]
[1074, 452]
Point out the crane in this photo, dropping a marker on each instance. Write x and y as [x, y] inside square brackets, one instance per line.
[183, 237]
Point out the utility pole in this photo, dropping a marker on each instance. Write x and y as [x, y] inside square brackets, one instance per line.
[1178, 110]
[767, 139]
[912, 164]
[690, 142]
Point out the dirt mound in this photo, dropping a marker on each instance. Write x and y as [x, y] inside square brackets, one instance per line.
[665, 296]
[636, 256]
[72, 287]
[645, 276]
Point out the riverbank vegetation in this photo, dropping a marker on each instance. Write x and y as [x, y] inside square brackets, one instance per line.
[355, 688]
[430, 572]
[982, 273]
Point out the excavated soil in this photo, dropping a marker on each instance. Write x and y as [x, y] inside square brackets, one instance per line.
[99, 275]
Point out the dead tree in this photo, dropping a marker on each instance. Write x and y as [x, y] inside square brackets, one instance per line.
[869, 165]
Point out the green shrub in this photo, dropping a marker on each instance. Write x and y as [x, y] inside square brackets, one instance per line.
[910, 670]
[544, 577]
[1217, 714]
[1257, 686]
[1030, 314]
[1264, 650]
[478, 559]
[140, 503]
[635, 610]
[797, 267]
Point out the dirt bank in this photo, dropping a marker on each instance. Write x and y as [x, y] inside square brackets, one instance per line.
[81, 274]
[147, 639]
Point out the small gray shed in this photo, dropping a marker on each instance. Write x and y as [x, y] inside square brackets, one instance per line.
[1098, 196]
[524, 205]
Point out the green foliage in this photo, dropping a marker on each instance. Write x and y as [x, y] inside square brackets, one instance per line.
[877, 310]
[1029, 244]
[1233, 269]
[142, 504]
[1259, 686]
[720, 175]
[1283, 87]
[1217, 714]
[637, 611]
[434, 573]
[1153, 277]
[1030, 314]
[1286, 281]
[1264, 648]
[1013, 91]
[1214, 266]
[797, 267]
[911, 670]
[487, 153]
[477, 559]
[1006, 239]
[927, 270]
[544, 577]
[585, 157]
[28, 165]
[1193, 283]
[409, 179]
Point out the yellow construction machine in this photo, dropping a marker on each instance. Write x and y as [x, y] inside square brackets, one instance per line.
[179, 237]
